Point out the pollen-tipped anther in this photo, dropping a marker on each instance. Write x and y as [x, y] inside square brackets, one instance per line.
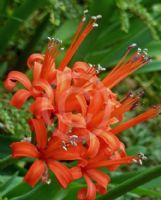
[85, 11]
[73, 140]
[95, 25]
[132, 46]
[64, 146]
[99, 16]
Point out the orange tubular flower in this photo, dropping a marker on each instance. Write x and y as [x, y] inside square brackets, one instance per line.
[83, 109]
[47, 155]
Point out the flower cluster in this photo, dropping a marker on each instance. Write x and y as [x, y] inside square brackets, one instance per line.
[85, 112]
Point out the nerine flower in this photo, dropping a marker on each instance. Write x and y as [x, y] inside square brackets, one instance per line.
[47, 154]
[83, 109]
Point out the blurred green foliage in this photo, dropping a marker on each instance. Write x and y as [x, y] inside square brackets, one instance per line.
[24, 28]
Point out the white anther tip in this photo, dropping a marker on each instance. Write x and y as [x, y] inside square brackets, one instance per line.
[85, 11]
[95, 25]
[94, 17]
[132, 46]
[99, 16]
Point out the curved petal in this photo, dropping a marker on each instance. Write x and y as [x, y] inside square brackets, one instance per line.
[94, 145]
[75, 120]
[63, 82]
[111, 140]
[40, 105]
[35, 173]
[96, 103]
[76, 173]
[43, 85]
[36, 57]
[19, 98]
[40, 131]
[83, 104]
[61, 172]
[101, 179]
[53, 144]
[24, 149]
[15, 76]
[89, 193]
[37, 71]
[82, 73]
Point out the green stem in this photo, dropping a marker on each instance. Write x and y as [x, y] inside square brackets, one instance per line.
[132, 183]
[21, 14]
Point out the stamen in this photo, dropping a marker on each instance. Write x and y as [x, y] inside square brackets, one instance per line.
[73, 140]
[95, 24]
[152, 112]
[129, 102]
[52, 51]
[140, 158]
[64, 145]
[45, 177]
[124, 68]
[132, 46]
[99, 16]
[70, 129]
[85, 11]
[79, 37]
[26, 139]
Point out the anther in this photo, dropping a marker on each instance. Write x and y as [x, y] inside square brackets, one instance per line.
[26, 139]
[132, 46]
[90, 65]
[139, 50]
[99, 16]
[64, 146]
[93, 17]
[100, 68]
[62, 49]
[73, 140]
[48, 181]
[95, 25]
[83, 19]
[85, 11]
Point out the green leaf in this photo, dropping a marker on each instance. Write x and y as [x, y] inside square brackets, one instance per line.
[151, 67]
[132, 183]
[146, 192]
[21, 13]
[9, 184]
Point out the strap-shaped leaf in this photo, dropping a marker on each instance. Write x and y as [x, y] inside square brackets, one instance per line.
[133, 183]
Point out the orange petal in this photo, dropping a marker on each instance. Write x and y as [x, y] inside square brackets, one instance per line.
[101, 179]
[71, 154]
[76, 173]
[15, 76]
[24, 149]
[90, 192]
[43, 85]
[41, 132]
[35, 173]
[63, 82]
[37, 71]
[36, 57]
[19, 98]
[41, 105]
[61, 172]
[111, 140]
[75, 120]
[94, 145]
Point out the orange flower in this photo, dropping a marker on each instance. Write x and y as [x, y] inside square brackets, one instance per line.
[83, 109]
[46, 154]
[96, 180]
